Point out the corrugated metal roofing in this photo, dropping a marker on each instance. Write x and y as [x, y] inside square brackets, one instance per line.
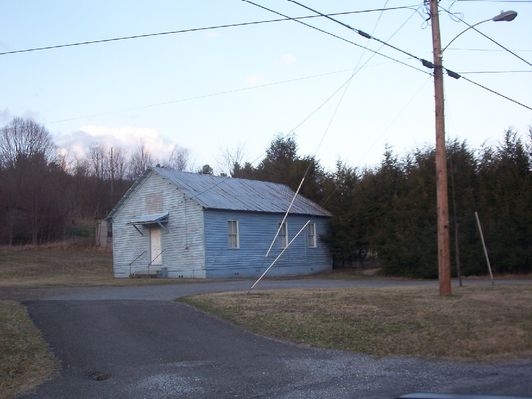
[218, 192]
[151, 218]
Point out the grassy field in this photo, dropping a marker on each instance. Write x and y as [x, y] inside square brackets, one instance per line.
[473, 324]
[24, 358]
[55, 265]
[61, 266]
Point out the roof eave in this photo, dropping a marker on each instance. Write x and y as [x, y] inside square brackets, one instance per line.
[128, 193]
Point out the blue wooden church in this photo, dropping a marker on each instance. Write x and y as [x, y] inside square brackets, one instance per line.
[178, 224]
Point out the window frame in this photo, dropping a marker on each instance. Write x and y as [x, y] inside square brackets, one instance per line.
[283, 235]
[312, 239]
[231, 234]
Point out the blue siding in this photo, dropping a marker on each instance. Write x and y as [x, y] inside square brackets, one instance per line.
[256, 230]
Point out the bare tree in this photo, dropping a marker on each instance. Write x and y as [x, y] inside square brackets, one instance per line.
[231, 158]
[116, 164]
[26, 155]
[81, 167]
[24, 138]
[140, 161]
[115, 169]
[98, 160]
[178, 159]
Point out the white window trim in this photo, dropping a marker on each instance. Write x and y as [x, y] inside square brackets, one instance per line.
[229, 234]
[284, 242]
[314, 243]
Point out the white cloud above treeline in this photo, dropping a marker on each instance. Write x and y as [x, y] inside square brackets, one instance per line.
[77, 144]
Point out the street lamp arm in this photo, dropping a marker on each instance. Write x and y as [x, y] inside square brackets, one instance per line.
[503, 16]
[464, 31]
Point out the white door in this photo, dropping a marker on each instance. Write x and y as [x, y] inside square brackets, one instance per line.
[156, 258]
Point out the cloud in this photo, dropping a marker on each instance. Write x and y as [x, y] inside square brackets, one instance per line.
[78, 143]
[288, 59]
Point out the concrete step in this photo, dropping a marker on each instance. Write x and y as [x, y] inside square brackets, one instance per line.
[146, 274]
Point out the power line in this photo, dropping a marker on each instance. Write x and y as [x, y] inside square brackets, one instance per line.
[480, 49]
[494, 72]
[190, 30]
[498, 1]
[338, 37]
[360, 32]
[346, 84]
[496, 93]
[202, 96]
[486, 36]
[425, 63]
[363, 65]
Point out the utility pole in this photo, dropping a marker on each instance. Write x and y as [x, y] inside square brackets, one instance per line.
[444, 258]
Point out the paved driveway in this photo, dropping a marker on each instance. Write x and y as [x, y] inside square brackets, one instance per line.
[170, 292]
[162, 349]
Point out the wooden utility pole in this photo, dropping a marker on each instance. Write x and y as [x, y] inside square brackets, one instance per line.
[444, 258]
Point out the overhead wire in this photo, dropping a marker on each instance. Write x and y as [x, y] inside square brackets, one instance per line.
[384, 132]
[361, 67]
[496, 92]
[202, 96]
[337, 37]
[360, 32]
[190, 30]
[497, 1]
[494, 72]
[424, 62]
[486, 36]
[346, 85]
[480, 49]
[288, 134]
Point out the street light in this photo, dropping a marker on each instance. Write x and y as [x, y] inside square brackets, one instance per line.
[442, 197]
[503, 16]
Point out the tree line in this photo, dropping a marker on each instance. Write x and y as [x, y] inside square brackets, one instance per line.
[45, 196]
[384, 214]
[387, 213]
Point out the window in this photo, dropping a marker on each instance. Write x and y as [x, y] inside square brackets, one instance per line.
[283, 235]
[311, 235]
[233, 239]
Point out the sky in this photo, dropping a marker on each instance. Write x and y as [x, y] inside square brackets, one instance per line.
[219, 90]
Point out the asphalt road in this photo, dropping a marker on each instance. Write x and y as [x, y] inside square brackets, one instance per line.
[163, 349]
[170, 292]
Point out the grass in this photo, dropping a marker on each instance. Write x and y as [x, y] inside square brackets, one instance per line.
[62, 266]
[473, 324]
[25, 361]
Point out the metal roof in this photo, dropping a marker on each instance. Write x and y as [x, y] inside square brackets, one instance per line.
[217, 192]
[150, 219]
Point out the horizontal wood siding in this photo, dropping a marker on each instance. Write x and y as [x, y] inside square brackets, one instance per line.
[182, 240]
[256, 230]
